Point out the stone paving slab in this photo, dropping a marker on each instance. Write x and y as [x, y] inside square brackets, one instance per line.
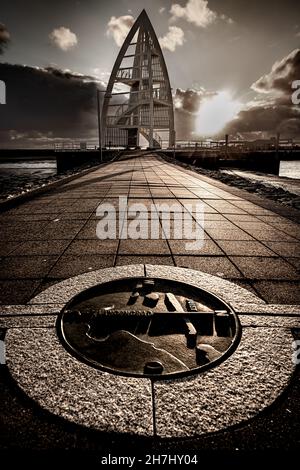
[27, 309]
[105, 247]
[278, 291]
[16, 291]
[234, 392]
[285, 249]
[217, 265]
[144, 259]
[178, 247]
[224, 234]
[294, 262]
[257, 267]
[153, 247]
[40, 248]
[271, 321]
[8, 247]
[244, 248]
[226, 290]
[95, 399]
[31, 267]
[72, 265]
[29, 321]
[267, 309]
[73, 286]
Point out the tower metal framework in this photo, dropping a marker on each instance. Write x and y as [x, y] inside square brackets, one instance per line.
[138, 99]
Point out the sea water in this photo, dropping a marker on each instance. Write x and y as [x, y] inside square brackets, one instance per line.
[290, 169]
[16, 174]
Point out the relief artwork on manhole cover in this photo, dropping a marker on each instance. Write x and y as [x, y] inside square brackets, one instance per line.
[149, 328]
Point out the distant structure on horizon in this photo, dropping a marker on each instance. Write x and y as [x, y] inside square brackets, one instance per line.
[145, 107]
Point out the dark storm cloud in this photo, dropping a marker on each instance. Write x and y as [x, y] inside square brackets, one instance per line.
[277, 112]
[189, 100]
[4, 37]
[283, 73]
[48, 101]
[268, 119]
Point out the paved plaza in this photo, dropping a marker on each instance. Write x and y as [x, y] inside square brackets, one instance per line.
[250, 258]
[248, 240]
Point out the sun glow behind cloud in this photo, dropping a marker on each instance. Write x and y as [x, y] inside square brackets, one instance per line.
[215, 112]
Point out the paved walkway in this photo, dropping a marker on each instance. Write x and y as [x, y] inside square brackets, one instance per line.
[248, 240]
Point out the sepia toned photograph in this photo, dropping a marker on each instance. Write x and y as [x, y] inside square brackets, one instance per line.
[150, 233]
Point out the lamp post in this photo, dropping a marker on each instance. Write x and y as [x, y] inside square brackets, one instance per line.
[99, 113]
[174, 145]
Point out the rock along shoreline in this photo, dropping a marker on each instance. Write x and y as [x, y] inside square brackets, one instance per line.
[264, 189]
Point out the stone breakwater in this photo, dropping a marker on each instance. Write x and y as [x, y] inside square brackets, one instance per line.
[263, 188]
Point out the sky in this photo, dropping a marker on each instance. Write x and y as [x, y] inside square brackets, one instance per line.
[231, 64]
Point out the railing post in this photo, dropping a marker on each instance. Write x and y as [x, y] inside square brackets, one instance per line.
[174, 144]
[99, 123]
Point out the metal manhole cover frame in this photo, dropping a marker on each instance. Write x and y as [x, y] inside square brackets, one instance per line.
[159, 377]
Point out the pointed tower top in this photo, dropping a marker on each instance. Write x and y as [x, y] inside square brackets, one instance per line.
[143, 14]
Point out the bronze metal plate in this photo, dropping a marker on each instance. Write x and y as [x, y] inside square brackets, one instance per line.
[149, 328]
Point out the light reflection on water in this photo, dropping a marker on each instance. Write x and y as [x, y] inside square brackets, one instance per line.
[34, 165]
[290, 169]
[14, 175]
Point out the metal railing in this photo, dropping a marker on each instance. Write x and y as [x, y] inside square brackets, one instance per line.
[237, 146]
[77, 146]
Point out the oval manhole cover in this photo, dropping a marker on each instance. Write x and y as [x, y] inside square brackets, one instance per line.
[149, 328]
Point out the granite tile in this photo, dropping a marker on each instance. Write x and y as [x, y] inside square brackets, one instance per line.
[251, 379]
[72, 265]
[217, 265]
[278, 292]
[256, 267]
[39, 363]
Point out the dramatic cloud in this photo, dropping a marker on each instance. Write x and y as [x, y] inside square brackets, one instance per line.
[202, 113]
[282, 74]
[195, 11]
[267, 119]
[270, 112]
[4, 38]
[173, 38]
[188, 101]
[63, 38]
[276, 112]
[50, 105]
[118, 28]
